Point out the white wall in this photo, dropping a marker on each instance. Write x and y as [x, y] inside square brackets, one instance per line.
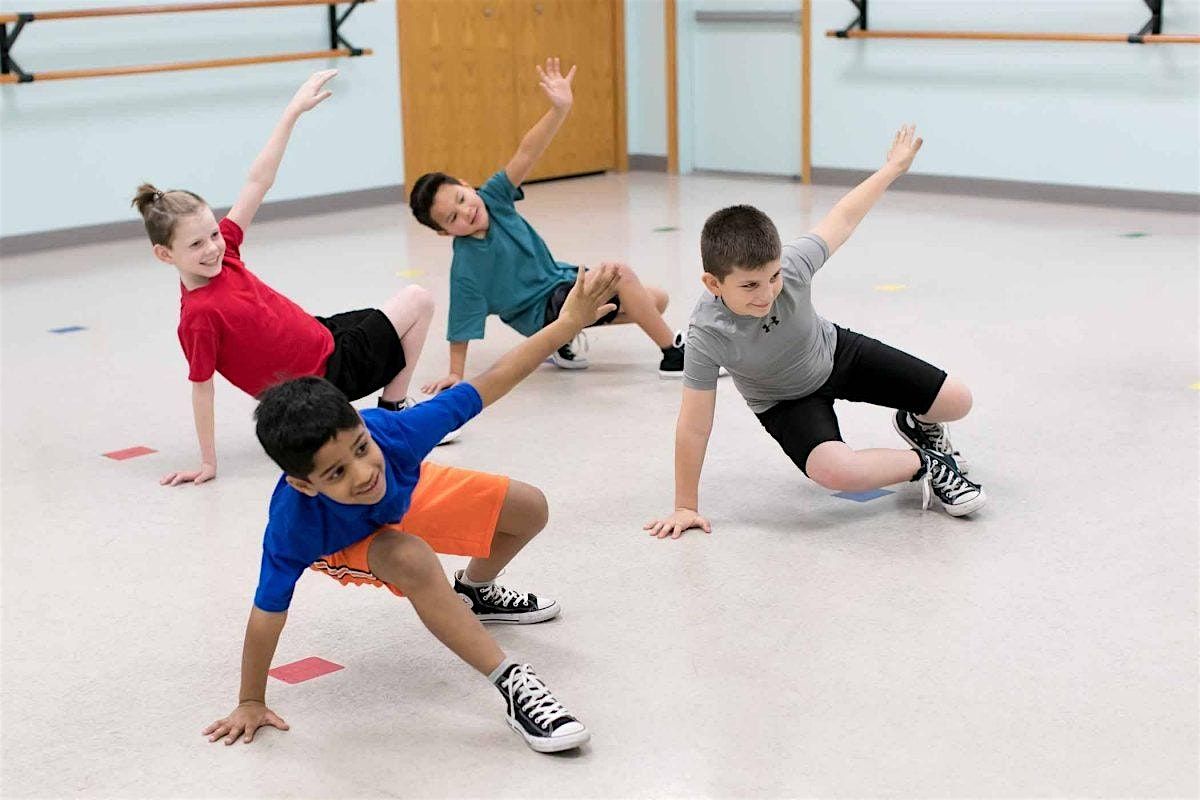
[646, 77]
[1102, 115]
[72, 152]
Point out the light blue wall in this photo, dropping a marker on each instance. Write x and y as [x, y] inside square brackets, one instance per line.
[646, 81]
[72, 152]
[1107, 115]
[1103, 115]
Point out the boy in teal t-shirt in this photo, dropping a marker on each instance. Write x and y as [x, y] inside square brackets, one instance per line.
[501, 266]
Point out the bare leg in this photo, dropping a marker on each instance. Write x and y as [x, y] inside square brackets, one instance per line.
[523, 516]
[644, 306]
[836, 466]
[409, 564]
[410, 312]
[953, 402]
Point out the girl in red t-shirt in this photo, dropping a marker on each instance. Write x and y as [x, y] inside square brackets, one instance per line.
[232, 323]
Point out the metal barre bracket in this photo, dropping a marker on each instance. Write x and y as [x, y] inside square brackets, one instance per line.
[8, 64]
[1153, 25]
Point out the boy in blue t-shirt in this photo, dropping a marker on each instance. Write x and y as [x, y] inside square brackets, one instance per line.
[501, 266]
[358, 502]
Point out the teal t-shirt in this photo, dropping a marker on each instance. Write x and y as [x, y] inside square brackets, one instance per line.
[508, 272]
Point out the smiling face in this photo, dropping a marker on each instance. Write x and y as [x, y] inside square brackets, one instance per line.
[749, 292]
[197, 248]
[348, 469]
[459, 210]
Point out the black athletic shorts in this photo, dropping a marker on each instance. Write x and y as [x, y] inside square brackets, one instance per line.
[558, 296]
[367, 353]
[865, 371]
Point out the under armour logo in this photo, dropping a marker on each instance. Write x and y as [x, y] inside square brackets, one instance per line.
[768, 325]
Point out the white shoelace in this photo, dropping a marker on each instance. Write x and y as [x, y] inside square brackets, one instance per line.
[527, 690]
[579, 345]
[948, 484]
[503, 596]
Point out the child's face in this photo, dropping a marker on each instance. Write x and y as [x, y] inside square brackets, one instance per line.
[750, 292]
[197, 246]
[459, 210]
[348, 469]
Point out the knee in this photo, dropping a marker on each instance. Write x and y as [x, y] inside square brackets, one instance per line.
[832, 471]
[418, 298]
[404, 560]
[953, 402]
[525, 511]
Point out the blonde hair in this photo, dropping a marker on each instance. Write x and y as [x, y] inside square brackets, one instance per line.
[162, 210]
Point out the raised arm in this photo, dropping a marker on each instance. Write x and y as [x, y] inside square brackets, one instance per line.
[696, 413]
[587, 302]
[262, 636]
[837, 226]
[558, 92]
[264, 168]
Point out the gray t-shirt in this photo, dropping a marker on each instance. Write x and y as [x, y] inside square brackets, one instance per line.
[784, 355]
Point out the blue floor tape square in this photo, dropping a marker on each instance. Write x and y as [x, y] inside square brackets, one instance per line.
[863, 497]
[68, 329]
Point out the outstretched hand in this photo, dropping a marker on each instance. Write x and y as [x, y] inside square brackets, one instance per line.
[681, 519]
[905, 145]
[311, 93]
[247, 718]
[556, 87]
[588, 300]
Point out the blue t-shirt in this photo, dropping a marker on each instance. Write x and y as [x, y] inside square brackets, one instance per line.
[509, 271]
[302, 529]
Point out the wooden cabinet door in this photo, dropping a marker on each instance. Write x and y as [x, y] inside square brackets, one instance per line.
[469, 90]
[580, 32]
[457, 86]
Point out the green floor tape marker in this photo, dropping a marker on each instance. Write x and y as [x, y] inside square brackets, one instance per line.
[665, 228]
[1134, 235]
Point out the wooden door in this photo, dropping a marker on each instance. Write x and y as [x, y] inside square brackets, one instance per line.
[469, 88]
[583, 33]
[456, 86]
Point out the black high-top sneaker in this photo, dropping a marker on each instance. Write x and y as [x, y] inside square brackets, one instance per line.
[495, 603]
[408, 402]
[671, 365]
[570, 356]
[536, 715]
[928, 436]
[940, 476]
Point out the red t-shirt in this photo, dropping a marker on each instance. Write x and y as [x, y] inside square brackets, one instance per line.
[240, 327]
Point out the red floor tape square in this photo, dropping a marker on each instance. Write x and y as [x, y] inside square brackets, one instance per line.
[304, 670]
[129, 452]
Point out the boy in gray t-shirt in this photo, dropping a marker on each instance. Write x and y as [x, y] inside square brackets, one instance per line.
[790, 364]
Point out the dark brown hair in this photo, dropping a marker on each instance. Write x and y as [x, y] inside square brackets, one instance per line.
[420, 199]
[738, 236]
[162, 210]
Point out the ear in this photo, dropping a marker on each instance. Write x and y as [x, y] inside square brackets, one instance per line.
[163, 254]
[302, 486]
[711, 283]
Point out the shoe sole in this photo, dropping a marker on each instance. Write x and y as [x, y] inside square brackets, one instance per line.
[969, 507]
[567, 364]
[524, 618]
[962, 465]
[670, 374]
[551, 744]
